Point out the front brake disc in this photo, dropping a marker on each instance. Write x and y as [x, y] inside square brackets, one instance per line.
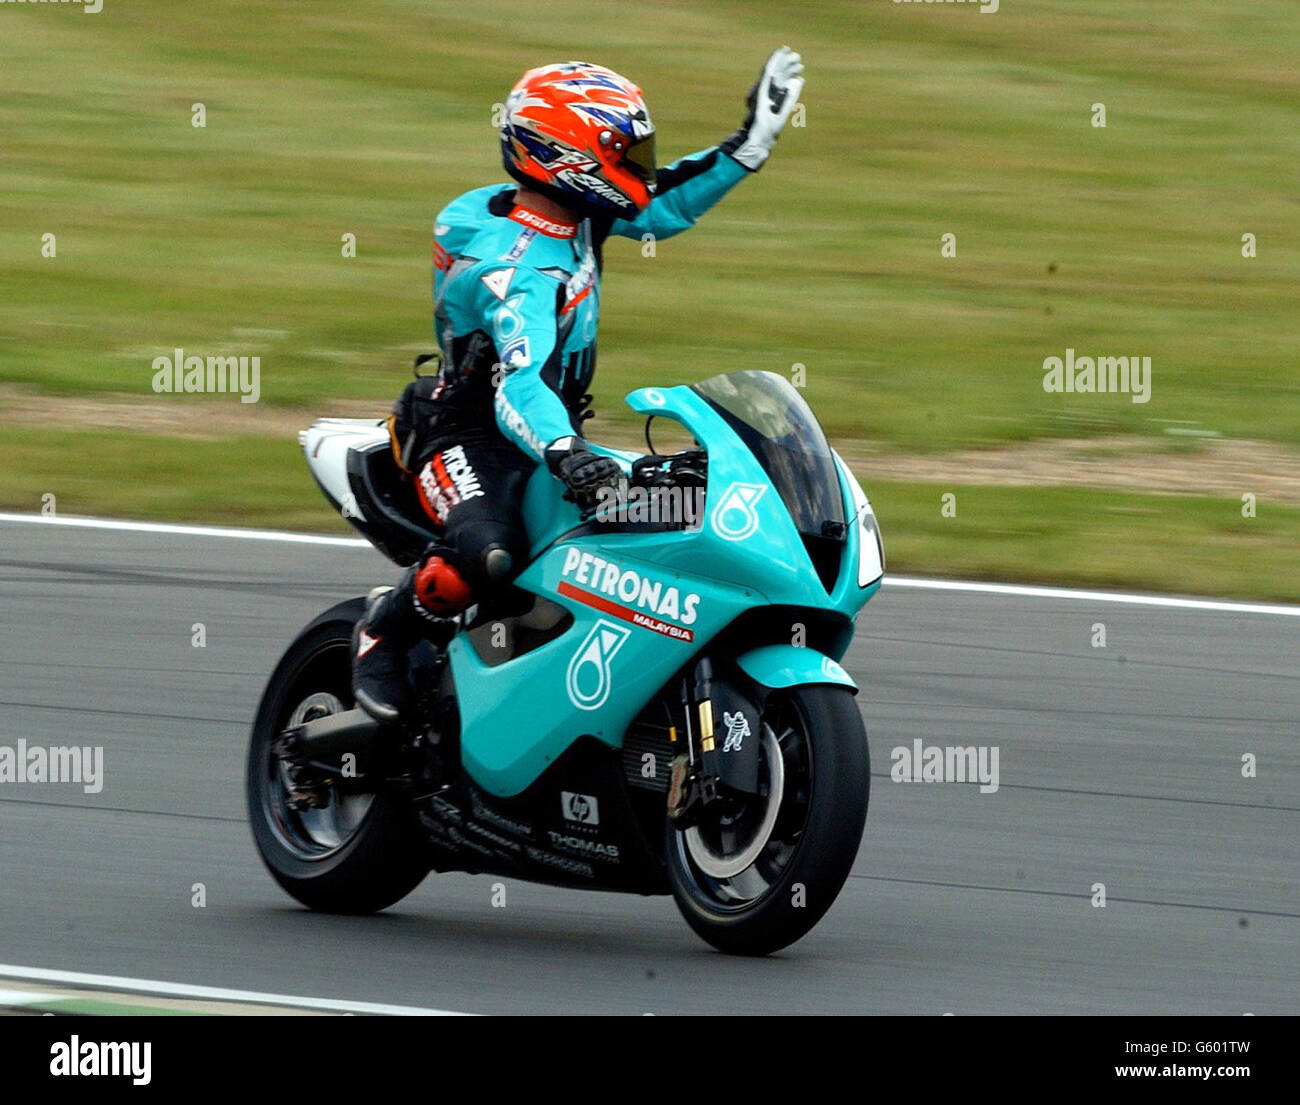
[720, 865]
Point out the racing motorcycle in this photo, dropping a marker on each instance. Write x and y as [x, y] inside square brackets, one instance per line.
[656, 706]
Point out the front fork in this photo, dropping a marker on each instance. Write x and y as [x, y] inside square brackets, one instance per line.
[716, 754]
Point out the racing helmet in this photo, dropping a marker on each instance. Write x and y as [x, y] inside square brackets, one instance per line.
[581, 135]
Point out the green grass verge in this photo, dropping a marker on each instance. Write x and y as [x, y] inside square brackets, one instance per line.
[336, 117]
[256, 481]
[1175, 543]
[90, 1007]
[1052, 535]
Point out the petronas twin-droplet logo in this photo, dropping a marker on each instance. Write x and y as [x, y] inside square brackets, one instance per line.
[734, 518]
[589, 679]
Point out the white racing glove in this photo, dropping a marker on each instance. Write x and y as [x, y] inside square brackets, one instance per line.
[770, 103]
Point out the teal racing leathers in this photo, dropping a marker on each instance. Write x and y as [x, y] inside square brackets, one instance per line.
[517, 300]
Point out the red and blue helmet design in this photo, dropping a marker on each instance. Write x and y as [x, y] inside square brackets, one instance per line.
[582, 135]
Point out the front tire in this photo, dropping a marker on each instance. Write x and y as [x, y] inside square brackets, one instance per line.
[361, 853]
[753, 880]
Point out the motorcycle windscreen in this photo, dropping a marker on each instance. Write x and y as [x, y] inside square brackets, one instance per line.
[772, 419]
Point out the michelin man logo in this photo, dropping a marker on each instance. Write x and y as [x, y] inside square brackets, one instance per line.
[737, 730]
[734, 518]
[588, 679]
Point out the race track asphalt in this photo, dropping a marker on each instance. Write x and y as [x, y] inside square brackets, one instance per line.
[1119, 765]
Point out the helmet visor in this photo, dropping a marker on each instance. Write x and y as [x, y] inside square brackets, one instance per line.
[640, 158]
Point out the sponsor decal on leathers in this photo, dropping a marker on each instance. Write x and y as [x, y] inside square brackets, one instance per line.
[448, 480]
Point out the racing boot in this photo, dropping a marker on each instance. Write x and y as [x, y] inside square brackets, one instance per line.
[422, 604]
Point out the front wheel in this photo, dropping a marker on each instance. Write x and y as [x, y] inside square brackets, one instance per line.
[757, 875]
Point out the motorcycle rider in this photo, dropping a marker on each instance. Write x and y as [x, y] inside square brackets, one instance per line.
[516, 301]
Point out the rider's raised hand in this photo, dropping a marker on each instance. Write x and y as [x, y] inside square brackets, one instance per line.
[770, 102]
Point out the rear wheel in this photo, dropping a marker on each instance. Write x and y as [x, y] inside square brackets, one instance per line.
[361, 852]
[755, 876]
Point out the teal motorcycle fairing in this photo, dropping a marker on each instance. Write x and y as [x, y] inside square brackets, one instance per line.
[779, 667]
[645, 603]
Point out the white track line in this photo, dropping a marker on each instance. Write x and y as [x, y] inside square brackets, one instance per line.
[1092, 596]
[1023, 591]
[191, 531]
[214, 993]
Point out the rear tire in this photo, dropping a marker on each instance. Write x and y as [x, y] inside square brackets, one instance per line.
[363, 858]
[824, 782]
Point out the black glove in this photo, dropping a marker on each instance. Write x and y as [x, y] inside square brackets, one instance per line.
[582, 471]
